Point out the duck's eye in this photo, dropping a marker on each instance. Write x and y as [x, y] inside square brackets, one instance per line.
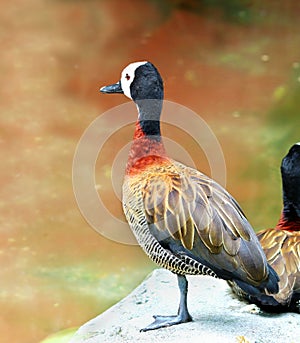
[127, 77]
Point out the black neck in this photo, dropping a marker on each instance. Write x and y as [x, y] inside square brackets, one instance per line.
[149, 117]
[151, 129]
[291, 207]
[289, 211]
[290, 173]
[291, 197]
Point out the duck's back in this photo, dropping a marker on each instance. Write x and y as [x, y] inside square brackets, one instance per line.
[189, 224]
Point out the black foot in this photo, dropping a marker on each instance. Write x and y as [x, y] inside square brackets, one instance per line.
[165, 321]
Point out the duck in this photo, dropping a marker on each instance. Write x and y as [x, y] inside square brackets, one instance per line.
[182, 219]
[281, 244]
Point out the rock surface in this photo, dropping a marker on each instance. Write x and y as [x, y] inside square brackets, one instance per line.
[218, 316]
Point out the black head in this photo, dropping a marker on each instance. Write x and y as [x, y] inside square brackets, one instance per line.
[139, 81]
[290, 172]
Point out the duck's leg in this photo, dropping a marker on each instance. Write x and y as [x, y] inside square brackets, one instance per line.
[183, 315]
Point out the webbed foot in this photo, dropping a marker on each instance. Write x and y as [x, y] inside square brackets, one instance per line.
[165, 321]
[183, 315]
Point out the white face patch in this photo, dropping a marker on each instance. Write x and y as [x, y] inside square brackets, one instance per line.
[127, 77]
[297, 143]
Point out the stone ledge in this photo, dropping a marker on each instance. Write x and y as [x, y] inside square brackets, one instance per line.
[218, 316]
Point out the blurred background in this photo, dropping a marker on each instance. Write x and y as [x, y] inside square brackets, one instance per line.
[236, 63]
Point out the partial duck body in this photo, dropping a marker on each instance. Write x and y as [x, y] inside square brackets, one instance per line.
[282, 243]
[183, 220]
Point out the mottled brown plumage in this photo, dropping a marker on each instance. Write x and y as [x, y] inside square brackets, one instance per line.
[282, 248]
[202, 220]
[183, 220]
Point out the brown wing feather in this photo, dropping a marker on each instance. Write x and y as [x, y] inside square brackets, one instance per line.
[282, 249]
[191, 208]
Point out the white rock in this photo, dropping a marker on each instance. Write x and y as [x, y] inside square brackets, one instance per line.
[217, 316]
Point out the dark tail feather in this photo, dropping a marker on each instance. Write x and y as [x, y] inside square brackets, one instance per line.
[271, 285]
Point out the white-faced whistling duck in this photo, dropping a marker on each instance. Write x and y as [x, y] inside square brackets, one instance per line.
[183, 220]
